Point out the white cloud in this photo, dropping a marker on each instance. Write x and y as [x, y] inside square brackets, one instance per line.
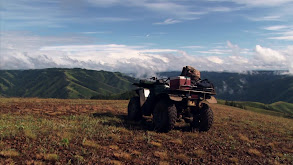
[284, 35]
[265, 18]
[158, 50]
[111, 19]
[56, 14]
[215, 51]
[263, 3]
[282, 59]
[166, 8]
[235, 48]
[269, 55]
[167, 22]
[192, 47]
[277, 27]
[215, 59]
[239, 60]
[289, 57]
[257, 3]
[26, 51]
[97, 32]
[222, 9]
[289, 38]
[104, 3]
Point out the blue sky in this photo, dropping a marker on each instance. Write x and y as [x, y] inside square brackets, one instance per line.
[146, 36]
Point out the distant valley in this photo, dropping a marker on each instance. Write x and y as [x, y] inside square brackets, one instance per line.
[258, 86]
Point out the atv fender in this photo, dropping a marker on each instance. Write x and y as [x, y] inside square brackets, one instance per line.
[175, 97]
[212, 100]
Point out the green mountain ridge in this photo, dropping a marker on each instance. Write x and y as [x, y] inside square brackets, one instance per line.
[62, 83]
[262, 86]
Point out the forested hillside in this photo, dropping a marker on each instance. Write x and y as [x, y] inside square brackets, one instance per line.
[257, 86]
[62, 83]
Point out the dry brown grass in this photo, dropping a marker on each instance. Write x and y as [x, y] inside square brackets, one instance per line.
[279, 154]
[2, 144]
[124, 131]
[181, 157]
[254, 152]
[90, 143]
[161, 155]
[35, 162]
[234, 160]
[115, 162]
[114, 137]
[136, 153]
[39, 156]
[176, 141]
[163, 163]
[78, 159]
[65, 135]
[199, 153]
[156, 144]
[9, 153]
[50, 157]
[272, 145]
[290, 150]
[122, 156]
[191, 135]
[244, 138]
[28, 133]
[114, 147]
[164, 136]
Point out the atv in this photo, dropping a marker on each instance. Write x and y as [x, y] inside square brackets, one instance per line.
[171, 100]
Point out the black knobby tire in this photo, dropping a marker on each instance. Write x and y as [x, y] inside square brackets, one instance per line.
[203, 120]
[164, 116]
[134, 110]
[195, 121]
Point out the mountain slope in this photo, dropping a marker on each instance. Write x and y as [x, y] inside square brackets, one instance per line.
[62, 83]
[279, 108]
[259, 86]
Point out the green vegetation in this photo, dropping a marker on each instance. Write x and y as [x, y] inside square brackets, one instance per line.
[62, 83]
[277, 109]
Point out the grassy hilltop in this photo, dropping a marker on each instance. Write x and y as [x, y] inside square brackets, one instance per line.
[54, 131]
[279, 108]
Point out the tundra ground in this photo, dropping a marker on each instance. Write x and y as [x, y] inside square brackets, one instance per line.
[55, 131]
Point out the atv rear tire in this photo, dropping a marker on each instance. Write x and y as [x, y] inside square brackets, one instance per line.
[134, 110]
[164, 116]
[204, 119]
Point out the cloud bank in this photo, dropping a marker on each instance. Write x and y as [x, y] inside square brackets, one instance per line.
[24, 51]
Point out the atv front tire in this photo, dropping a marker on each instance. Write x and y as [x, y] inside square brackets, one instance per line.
[203, 120]
[134, 110]
[164, 116]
